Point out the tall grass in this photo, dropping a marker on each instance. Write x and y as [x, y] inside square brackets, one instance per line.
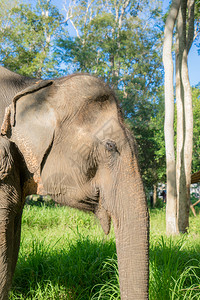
[64, 254]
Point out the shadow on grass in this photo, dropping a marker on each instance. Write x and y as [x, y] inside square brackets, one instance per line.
[75, 273]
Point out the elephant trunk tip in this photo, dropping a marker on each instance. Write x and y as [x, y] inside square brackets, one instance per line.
[104, 218]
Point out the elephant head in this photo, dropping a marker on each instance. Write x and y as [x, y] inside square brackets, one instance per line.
[73, 138]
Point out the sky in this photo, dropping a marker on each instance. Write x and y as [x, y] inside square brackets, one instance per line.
[194, 66]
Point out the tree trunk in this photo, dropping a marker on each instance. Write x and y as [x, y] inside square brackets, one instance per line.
[178, 181]
[154, 195]
[180, 166]
[171, 216]
[184, 125]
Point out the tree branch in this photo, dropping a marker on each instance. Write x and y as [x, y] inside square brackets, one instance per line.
[69, 14]
[68, 11]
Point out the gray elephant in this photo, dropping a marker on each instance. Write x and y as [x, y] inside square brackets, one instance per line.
[75, 146]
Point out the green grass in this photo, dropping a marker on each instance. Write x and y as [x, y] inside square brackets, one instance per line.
[64, 254]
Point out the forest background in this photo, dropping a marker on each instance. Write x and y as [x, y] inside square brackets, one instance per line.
[120, 41]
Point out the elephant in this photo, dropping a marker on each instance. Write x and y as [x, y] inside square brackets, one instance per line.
[74, 145]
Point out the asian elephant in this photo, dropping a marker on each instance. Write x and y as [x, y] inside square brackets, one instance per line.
[75, 146]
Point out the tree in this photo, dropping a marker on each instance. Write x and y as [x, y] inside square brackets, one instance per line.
[27, 35]
[181, 14]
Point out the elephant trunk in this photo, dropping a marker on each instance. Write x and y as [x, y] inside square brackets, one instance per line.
[131, 224]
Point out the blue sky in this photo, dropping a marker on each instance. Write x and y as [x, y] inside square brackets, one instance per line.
[194, 66]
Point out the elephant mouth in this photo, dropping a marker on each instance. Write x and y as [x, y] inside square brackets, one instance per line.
[89, 204]
[74, 197]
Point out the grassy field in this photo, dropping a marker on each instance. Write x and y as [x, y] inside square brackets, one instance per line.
[65, 255]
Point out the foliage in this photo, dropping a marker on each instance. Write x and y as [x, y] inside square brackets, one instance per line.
[64, 254]
[26, 37]
[118, 42]
[156, 170]
[157, 127]
[196, 130]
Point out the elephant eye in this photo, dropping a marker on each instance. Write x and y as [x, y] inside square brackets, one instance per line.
[111, 146]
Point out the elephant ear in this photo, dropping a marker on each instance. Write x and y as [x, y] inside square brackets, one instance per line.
[30, 123]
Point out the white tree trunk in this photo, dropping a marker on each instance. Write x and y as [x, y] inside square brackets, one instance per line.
[184, 125]
[182, 217]
[171, 215]
[179, 172]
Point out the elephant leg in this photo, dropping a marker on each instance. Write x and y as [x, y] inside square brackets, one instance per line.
[6, 252]
[11, 205]
[10, 229]
[16, 245]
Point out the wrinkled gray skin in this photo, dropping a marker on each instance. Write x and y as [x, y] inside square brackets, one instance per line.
[10, 84]
[12, 177]
[76, 147]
